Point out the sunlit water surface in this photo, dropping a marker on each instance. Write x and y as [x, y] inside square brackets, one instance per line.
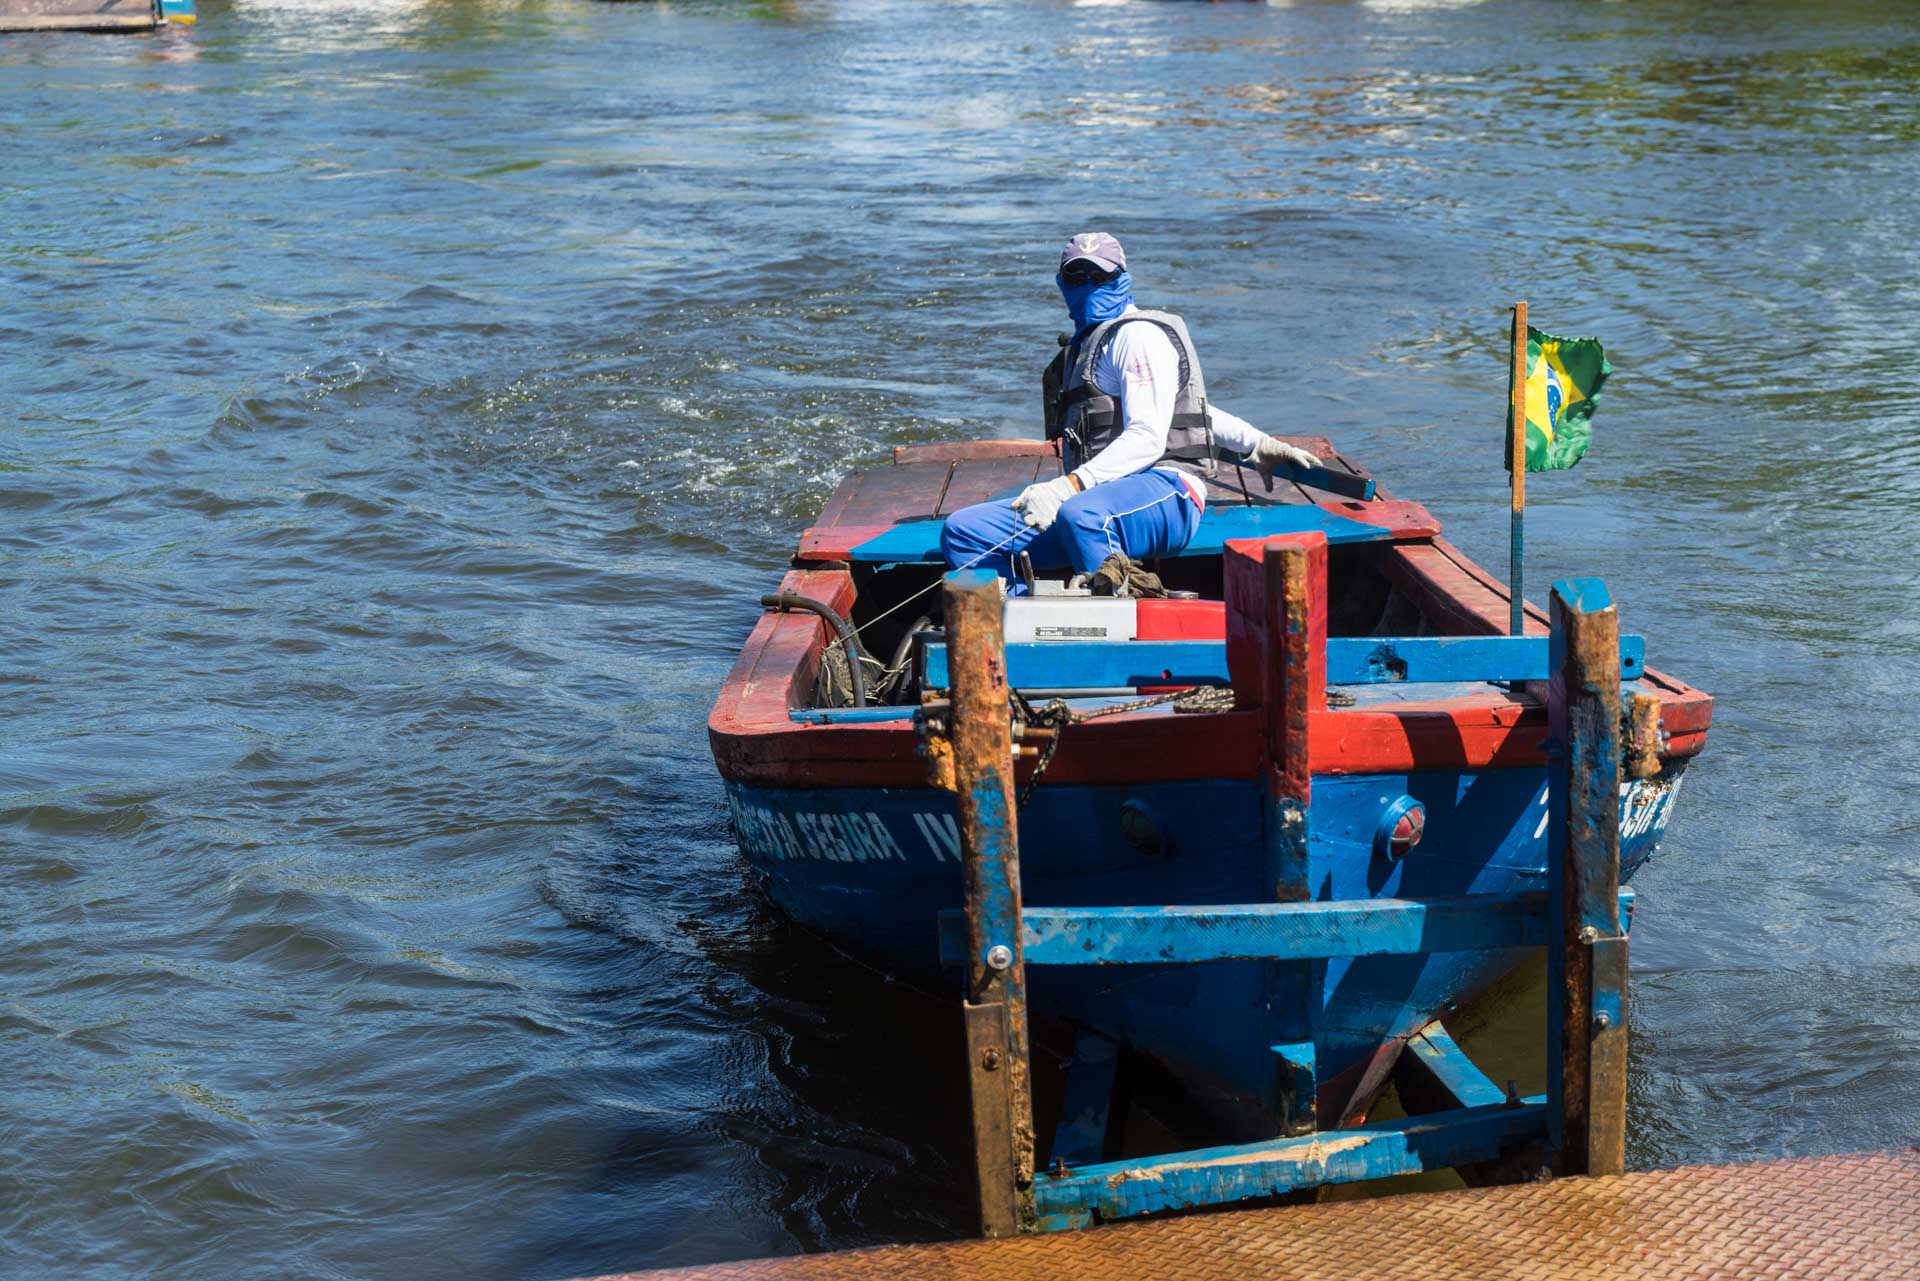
[405, 405]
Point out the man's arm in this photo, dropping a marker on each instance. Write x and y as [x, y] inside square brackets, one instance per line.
[1232, 433]
[1258, 448]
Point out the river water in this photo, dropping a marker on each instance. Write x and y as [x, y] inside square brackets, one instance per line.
[405, 404]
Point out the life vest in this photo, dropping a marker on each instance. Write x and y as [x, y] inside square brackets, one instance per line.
[1086, 420]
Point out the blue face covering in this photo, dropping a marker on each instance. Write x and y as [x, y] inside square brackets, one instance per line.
[1090, 304]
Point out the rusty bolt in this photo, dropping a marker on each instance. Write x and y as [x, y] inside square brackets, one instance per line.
[999, 956]
[1588, 934]
[990, 1059]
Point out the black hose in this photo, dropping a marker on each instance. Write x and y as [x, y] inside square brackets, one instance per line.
[848, 641]
[900, 652]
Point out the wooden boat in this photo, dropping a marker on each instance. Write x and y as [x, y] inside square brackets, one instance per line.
[92, 15]
[1427, 766]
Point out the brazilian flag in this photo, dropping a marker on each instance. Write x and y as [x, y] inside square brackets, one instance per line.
[1564, 377]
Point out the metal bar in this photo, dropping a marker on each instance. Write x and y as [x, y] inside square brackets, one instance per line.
[981, 735]
[1270, 931]
[1211, 1176]
[1350, 660]
[1517, 469]
[1588, 1090]
[1607, 1061]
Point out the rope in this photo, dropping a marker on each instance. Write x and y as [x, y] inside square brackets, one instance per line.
[903, 603]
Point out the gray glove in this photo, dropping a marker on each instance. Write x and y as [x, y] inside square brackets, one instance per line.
[1271, 453]
[1038, 504]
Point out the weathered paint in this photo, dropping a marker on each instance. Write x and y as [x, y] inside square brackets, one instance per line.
[978, 731]
[1216, 1176]
[1350, 660]
[1586, 1003]
[1273, 931]
[1485, 835]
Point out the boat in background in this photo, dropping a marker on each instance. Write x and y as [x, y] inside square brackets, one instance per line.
[1141, 778]
[92, 15]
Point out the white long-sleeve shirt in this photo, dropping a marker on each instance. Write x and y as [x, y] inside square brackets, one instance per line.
[1141, 369]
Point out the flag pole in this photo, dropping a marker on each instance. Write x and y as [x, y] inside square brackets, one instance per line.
[1517, 467]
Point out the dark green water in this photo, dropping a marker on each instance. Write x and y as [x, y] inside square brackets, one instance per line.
[406, 403]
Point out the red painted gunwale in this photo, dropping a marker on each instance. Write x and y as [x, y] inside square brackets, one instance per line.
[755, 742]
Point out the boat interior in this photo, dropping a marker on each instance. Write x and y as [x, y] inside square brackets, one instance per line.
[1389, 575]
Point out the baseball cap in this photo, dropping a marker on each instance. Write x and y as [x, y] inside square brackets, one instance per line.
[1096, 247]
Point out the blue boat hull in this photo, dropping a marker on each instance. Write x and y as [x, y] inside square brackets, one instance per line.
[872, 868]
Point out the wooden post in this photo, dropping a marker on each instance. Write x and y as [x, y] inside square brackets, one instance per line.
[1587, 949]
[1517, 468]
[996, 1004]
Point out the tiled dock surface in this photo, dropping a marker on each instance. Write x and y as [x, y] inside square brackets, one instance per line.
[1831, 1218]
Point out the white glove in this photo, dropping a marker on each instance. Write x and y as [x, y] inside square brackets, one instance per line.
[1040, 503]
[1270, 453]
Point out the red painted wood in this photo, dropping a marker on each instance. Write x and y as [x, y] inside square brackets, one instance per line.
[956, 451]
[775, 670]
[888, 495]
[977, 479]
[837, 542]
[1180, 620]
[1244, 576]
[1277, 646]
[1406, 520]
[1461, 598]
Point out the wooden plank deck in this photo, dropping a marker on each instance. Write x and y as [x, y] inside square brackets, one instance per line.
[1833, 1218]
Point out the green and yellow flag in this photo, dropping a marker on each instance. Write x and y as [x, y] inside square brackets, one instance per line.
[1564, 377]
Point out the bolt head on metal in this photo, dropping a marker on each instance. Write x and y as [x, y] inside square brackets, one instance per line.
[999, 956]
[1588, 934]
[990, 1059]
[1602, 1020]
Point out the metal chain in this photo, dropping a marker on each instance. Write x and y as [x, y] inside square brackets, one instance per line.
[1055, 714]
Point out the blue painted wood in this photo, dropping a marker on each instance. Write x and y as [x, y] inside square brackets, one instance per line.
[1351, 660]
[850, 715]
[1345, 484]
[1081, 1135]
[1452, 1070]
[1269, 931]
[1367, 660]
[918, 541]
[1099, 664]
[1214, 1176]
[872, 868]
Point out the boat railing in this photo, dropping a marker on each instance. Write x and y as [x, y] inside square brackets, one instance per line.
[1277, 655]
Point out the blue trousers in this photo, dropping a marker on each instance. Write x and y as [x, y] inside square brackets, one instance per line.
[1149, 513]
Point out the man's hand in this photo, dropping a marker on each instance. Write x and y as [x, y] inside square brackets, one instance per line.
[1270, 453]
[1038, 504]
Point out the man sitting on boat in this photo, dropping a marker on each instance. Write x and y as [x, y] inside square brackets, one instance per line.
[1127, 402]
